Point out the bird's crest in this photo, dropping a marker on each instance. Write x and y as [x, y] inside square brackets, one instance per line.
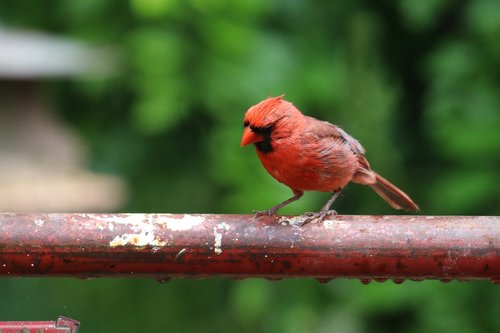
[268, 111]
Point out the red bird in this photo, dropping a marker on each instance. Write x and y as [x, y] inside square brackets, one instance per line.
[307, 154]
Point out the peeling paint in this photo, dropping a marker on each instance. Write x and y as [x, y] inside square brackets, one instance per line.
[144, 238]
[217, 242]
[38, 222]
[218, 237]
[144, 228]
[328, 224]
[127, 219]
[185, 223]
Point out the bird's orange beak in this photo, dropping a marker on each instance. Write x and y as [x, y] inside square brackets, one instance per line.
[249, 137]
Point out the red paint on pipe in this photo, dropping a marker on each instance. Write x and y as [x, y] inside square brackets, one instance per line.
[167, 246]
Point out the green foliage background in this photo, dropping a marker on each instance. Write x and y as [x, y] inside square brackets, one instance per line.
[417, 82]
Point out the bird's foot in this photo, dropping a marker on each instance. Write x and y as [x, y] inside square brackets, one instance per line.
[316, 217]
[259, 213]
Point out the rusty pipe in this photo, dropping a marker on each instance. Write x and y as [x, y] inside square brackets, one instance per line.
[167, 246]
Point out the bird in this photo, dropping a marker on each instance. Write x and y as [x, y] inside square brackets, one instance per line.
[307, 154]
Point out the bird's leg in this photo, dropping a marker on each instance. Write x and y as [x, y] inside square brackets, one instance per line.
[273, 210]
[326, 207]
[324, 212]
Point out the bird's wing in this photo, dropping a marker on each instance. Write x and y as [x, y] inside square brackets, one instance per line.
[324, 129]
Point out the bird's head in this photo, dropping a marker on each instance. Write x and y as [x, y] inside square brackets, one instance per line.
[263, 121]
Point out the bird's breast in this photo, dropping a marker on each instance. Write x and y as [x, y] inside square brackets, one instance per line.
[309, 166]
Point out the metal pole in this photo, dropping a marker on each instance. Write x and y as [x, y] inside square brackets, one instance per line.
[62, 325]
[165, 246]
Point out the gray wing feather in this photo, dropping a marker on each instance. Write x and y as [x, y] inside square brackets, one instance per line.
[324, 129]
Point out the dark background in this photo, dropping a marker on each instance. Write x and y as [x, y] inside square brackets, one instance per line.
[417, 82]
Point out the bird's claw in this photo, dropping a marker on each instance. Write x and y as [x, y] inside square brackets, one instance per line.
[259, 213]
[316, 217]
[299, 221]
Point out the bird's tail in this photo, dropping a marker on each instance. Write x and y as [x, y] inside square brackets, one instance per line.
[392, 195]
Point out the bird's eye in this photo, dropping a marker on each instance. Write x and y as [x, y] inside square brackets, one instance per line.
[246, 123]
[266, 130]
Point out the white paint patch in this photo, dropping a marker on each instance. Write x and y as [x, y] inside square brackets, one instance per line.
[143, 231]
[145, 238]
[185, 223]
[38, 222]
[173, 222]
[329, 224]
[218, 237]
[217, 242]
[143, 227]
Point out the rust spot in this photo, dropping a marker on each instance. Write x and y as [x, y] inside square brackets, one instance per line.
[382, 267]
[400, 266]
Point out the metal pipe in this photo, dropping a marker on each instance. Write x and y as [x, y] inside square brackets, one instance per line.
[167, 246]
[62, 325]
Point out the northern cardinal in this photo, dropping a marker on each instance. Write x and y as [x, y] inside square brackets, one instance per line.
[307, 154]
